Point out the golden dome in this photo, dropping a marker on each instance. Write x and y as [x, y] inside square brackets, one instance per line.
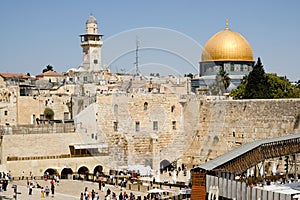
[227, 45]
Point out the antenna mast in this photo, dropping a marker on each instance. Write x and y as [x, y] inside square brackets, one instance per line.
[137, 71]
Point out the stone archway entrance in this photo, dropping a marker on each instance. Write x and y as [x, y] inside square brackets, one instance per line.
[66, 173]
[165, 165]
[98, 170]
[83, 173]
[51, 172]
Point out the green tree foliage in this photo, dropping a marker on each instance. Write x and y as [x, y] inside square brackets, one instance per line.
[259, 85]
[48, 113]
[239, 93]
[48, 68]
[225, 79]
[221, 84]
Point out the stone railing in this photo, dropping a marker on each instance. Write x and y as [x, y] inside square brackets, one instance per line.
[38, 129]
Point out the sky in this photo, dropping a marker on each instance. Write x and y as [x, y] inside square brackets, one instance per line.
[171, 33]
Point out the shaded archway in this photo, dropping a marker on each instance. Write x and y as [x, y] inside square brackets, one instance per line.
[165, 165]
[98, 170]
[51, 172]
[66, 173]
[83, 172]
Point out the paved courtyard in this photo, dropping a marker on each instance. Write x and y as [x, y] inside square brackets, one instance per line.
[66, 190]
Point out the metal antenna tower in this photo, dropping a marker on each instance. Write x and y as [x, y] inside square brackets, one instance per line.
[137, 70]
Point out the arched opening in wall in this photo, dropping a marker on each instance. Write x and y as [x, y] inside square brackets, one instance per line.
[165, 165]
[116, 108]
[50, 172]
[83, 173]
[172, 108]
[66, 173]
[98, 170]
[145, 105]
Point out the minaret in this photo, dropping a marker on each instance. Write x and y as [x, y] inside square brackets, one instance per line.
[91, 46]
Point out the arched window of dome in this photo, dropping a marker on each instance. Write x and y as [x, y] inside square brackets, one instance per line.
[116, 108]
[145, 106]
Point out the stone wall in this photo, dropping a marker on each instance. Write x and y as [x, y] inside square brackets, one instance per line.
[204, 128]
[225, 124]
[41, 145]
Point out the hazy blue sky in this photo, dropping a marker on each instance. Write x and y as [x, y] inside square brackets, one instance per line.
[35, 33]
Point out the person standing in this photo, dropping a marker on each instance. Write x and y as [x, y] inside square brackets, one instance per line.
[42, 192]
[47, 191]
[100, 184]
[23, 175]
[52, 189]
[30, 188]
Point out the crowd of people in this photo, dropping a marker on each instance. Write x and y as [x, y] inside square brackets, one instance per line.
[115, 191]
[110, 195]
[4, 179]
[45, 190]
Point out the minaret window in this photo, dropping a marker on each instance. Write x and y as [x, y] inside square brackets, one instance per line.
[137, 126]
[115, 126]
[116, 109]
[174, 125]
[155, 125]
[172, 108]
[145, 106]
[95, 61]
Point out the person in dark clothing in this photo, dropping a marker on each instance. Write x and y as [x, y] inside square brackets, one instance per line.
[52, 189]
[100, 184]
[121, 196]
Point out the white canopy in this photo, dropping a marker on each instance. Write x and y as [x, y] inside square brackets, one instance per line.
[155, 190]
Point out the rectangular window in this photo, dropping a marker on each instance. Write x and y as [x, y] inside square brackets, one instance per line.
[66, 115]
[95, 61]
[174, 125]
[231, 67]
[42, 118]
[137, 126]
[115, 126]
[155, 125]
[85, 79]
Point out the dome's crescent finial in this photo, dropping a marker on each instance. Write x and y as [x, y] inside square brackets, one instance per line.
[226, 26]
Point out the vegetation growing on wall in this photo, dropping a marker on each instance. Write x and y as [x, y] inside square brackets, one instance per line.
[49, 113]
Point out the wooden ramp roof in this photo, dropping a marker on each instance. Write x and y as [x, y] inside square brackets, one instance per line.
[250, 154]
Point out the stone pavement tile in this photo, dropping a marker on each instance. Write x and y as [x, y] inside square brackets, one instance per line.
[65, 190]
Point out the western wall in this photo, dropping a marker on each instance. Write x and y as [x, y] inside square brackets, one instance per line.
[204, 128]
[146, 129]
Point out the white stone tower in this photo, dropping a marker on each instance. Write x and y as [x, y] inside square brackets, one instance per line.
[91, 44]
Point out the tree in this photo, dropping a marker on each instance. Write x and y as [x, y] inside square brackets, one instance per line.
[48, 113]
[221, 84]
[48, 68]
[257, 86]
[239, 92]
[298, 84]
[224, 78]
